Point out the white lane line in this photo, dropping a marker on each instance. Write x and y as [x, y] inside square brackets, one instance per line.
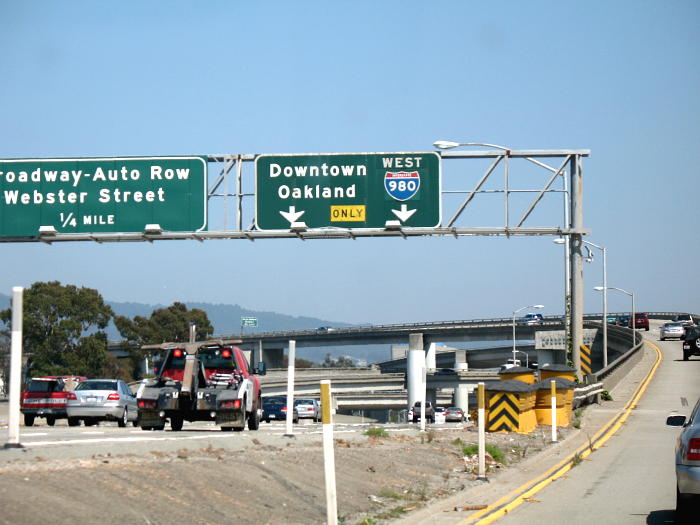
[124, 440]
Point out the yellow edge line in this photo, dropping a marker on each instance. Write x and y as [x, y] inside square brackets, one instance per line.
[516, 497]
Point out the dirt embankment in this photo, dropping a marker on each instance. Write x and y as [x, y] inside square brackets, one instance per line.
[378, 478]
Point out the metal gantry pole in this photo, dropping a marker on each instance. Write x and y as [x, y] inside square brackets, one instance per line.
[576, 262]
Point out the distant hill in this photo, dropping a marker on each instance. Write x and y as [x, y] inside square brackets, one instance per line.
[226, 319]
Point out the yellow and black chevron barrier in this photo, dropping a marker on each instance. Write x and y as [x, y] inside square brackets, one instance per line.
[504, 412]
[586, 360]
[511, 406]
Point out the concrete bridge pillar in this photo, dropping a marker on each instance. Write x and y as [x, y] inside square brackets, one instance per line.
[430, 358]
[415, 369]
[273, 357]
[461, 398]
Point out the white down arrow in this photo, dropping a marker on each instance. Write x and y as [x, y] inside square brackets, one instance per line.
[404, 214]
[292, 215]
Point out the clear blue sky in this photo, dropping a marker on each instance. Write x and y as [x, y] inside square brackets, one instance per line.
[173, 78]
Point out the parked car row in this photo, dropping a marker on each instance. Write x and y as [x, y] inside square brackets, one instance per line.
[641, 320]
[78, 399]
[275, 407]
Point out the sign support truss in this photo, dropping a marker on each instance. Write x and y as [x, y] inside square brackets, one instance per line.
[234, 166]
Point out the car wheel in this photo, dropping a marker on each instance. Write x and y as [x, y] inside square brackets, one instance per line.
[683, 507]
[267, 421]
[51, 421]
[254, 420]
[146, 428]
[685, 355]
[176, 424]
[124, 419]
[662, 338]
[28, 420]
[159, 427]
[226, 429]
[73, 422]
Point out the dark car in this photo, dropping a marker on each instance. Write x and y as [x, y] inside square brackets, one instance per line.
[640, 321]
[623, 320]
[691, 342]
[276, 408]
[685, 319]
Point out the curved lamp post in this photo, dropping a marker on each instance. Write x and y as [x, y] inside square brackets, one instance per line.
[604, 288]
[631, 294]
[515, 312]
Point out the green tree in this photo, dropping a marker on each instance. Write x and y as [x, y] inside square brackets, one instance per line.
[63, 329]
[166, 325]
[343, 361]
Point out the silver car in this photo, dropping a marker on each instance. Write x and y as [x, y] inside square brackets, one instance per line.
[308, 408]
[671, 330]
[96, 400]
[687, 465]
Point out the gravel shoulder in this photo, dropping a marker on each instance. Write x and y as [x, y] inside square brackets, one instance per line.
[405, 477]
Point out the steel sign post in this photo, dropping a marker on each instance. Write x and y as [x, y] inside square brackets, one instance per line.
[347, 190]
[98, 195]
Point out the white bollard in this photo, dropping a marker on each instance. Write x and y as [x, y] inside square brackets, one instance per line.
[290, 388]
[328, 454]
[15, 369]
[553, 386]
[481, 398]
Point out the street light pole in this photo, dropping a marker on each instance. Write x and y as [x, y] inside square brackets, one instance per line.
[605, 300]
[634, 306]
[515, 312]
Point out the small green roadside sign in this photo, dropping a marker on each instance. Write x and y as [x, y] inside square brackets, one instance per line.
[102, 195]
[347, 190]
[249, 322]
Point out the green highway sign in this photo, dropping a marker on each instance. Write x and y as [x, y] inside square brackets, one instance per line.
[250, 322]
[87, 195]
[347, 190]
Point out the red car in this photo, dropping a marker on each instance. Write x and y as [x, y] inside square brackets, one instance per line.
[47, 397]
[640, 321]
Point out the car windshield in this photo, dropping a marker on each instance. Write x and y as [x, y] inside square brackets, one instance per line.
[304, 402]
[219, 358]
[44, 386]
[674, 325]
[97, 385]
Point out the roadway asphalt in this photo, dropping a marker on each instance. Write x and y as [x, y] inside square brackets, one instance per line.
[630, 479]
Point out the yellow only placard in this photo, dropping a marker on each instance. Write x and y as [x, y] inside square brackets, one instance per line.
[355, 213]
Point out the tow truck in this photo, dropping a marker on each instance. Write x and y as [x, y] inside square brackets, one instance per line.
[201, 381]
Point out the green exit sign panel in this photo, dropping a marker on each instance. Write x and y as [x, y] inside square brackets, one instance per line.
[102, 195]
[347, 190]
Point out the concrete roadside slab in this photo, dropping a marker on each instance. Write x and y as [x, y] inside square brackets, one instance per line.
[463, 507]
